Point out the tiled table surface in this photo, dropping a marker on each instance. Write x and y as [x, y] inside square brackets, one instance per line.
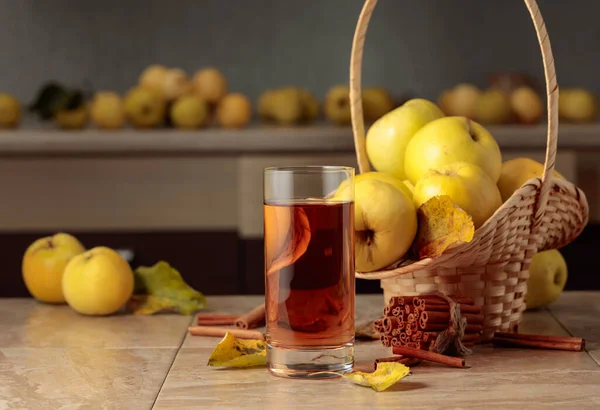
[52, 358]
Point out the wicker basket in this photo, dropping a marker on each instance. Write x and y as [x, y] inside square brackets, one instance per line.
[493, 268]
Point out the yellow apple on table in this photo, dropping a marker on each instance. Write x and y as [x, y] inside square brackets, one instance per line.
[527, 105]
[144, 107]
[516, 172]
[44, 263]
[547, 278]
[389, 136]
[385, 224]
[451, 139]
[466, 184]
[74, 119]
[577, 105]
[460, 100]
[98, 282]
[493, 107]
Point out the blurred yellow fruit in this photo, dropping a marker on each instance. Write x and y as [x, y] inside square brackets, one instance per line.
[376, 103]
[493, 107]
[210, 84]
[310, 105]
[527, 105]
[44, 263]
[153, 77]
[10, 111]
[577, 105]
[460, 100]
[145, 108]
[189, 111]
[234, 111]
[176, 84]
[515, 172]
[337, 105]
[73, 119]
[98, 282]
[107, 110]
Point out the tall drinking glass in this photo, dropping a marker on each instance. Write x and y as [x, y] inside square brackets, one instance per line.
[309, 270]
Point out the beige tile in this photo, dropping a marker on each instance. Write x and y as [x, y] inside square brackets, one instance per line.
[579, 313]
[27, 323]
[530, 381]
[64, 379]
[497, 377]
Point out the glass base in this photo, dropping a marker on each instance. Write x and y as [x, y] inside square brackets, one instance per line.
[311, 362]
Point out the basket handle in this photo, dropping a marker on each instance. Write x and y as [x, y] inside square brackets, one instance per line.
[358, 125]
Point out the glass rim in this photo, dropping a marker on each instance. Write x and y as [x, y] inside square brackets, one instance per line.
[309, 169]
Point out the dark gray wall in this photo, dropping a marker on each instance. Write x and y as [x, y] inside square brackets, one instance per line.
[417, 45]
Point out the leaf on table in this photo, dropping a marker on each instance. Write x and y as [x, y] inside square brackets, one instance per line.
[234, 352]
[442, 225]
[160, 288]
[386, 375]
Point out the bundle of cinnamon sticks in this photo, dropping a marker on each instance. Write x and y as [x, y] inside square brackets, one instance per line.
[416, 321]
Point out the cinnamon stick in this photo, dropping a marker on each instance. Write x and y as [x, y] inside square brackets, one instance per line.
[215, 316]
[397, 311]
[252, 319]
[430, 356]
[473, 328]
[215, 322]
[220, 332]
[545, 342]
[407, 361]
[542, 338]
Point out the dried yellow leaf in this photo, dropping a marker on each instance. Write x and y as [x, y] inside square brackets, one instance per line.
[386, 375]
[234, 352]
[442, 225]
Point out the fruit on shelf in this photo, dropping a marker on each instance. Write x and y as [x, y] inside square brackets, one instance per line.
[385, 224]
[10, 111]
[466, 184]
[107, 110]
[310, 105]
[176, 84]
[460, 100]
[493, 107]
[388, 137]
[548, 275]
[234, 111]
[526, 105]
[282, 106]
[189, 112]
[577, 105]
[337, 105]
[508, 81]
[376, 103]
[145, 108]
[153, 77]
[515, 172]
[97, 282]
[451, 139]
[210, 84]
[72, 119]
[44, 263]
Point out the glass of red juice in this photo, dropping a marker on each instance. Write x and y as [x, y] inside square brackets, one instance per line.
[309, 270]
